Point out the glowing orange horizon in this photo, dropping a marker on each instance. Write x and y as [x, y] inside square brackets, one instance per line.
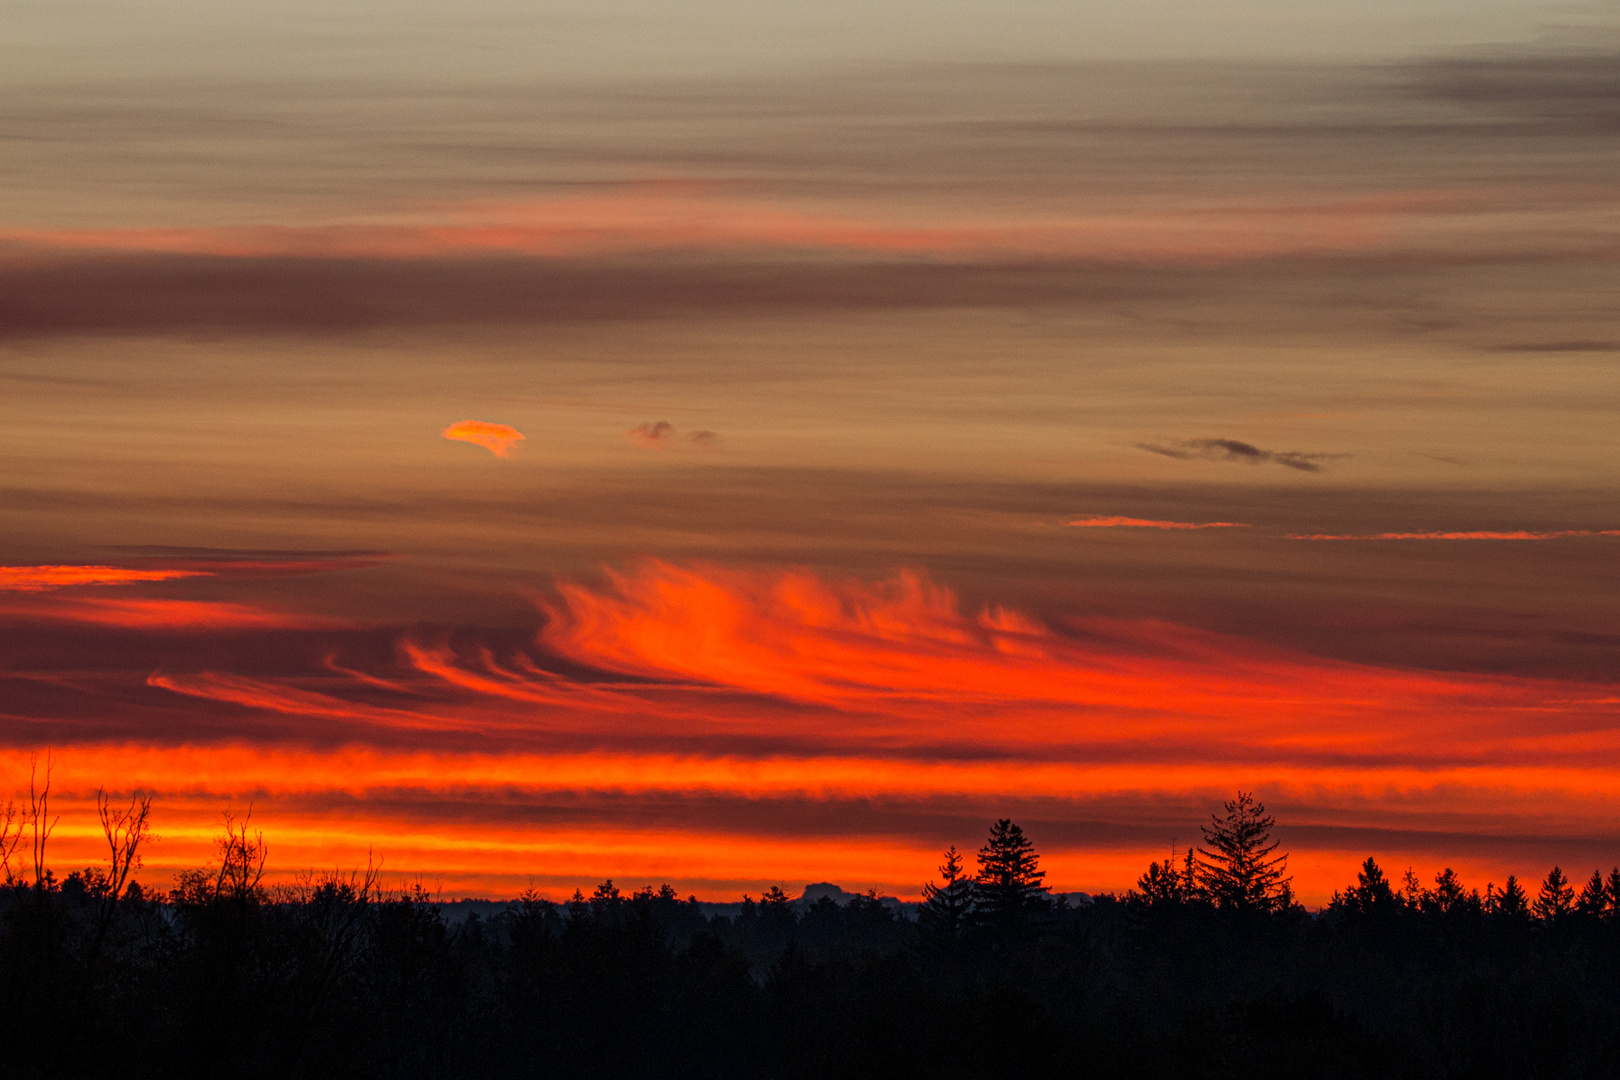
[883, 694]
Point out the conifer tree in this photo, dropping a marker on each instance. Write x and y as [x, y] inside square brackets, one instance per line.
[1448, 895]
[1009, 890]
[943, 915]
[1556, 898]
[1163, 884]
[1509, 902]
[1238, 869]
[1594, 897]
[1372, 892]
[1611, 902]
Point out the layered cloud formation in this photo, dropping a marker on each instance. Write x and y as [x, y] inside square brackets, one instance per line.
[715, 724]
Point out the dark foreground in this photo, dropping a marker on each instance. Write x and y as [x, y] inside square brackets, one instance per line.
[328, 980]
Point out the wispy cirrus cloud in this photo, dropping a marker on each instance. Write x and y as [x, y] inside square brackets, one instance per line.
[1100, 522]
[1237, 450]
[45, 578]
[1476, 534]
[498, 439]
[700, 722]
[157, 614]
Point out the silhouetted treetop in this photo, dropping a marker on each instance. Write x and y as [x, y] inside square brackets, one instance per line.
[1009, 890]
[1238, 869]
[942, 918]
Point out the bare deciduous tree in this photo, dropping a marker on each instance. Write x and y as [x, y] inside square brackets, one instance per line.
[12, 823]
[241, 860]
[39, 815]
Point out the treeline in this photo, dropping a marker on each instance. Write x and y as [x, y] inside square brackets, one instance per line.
[1209, 968]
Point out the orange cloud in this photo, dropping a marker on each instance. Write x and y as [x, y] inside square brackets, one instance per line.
[1516, 534]
[1097, 522]
[498, 439]
[725, 728]
[44, 578]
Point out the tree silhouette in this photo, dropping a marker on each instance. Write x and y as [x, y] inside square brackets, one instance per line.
[943, 915]
[1594, 896]
[1508, 903]
[1556, 898]
[1165, 884]
[1238, 870]
[1372, 893]
[1448, 897]
[1009, 890]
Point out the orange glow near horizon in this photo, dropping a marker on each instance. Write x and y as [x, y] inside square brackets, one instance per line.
[876, 694]
[481, 857]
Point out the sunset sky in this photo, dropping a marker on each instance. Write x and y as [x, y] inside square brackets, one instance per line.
[738, 445]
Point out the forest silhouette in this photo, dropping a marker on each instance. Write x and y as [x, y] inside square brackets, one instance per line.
[1208, 968]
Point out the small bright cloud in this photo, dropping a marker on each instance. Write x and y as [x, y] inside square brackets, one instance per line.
[498, 439]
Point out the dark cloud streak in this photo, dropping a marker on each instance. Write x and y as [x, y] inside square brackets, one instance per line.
[1237, 450]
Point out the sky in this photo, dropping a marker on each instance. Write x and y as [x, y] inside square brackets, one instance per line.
[764, 444]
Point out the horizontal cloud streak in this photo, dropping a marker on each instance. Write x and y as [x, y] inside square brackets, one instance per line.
[161, 614]
[1099, 522]
[1478, 534]
[1237, 450]
[670, 221]
[45, 578]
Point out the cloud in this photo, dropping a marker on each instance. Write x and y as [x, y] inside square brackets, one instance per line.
[1097, 522]
[498, 439]
[251, 562]
[675, 218]
[163, 615]
[1236, 450]
[662, 435]
[1482, 534]
[43, 578]
[1565, 92]
[708, 724]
